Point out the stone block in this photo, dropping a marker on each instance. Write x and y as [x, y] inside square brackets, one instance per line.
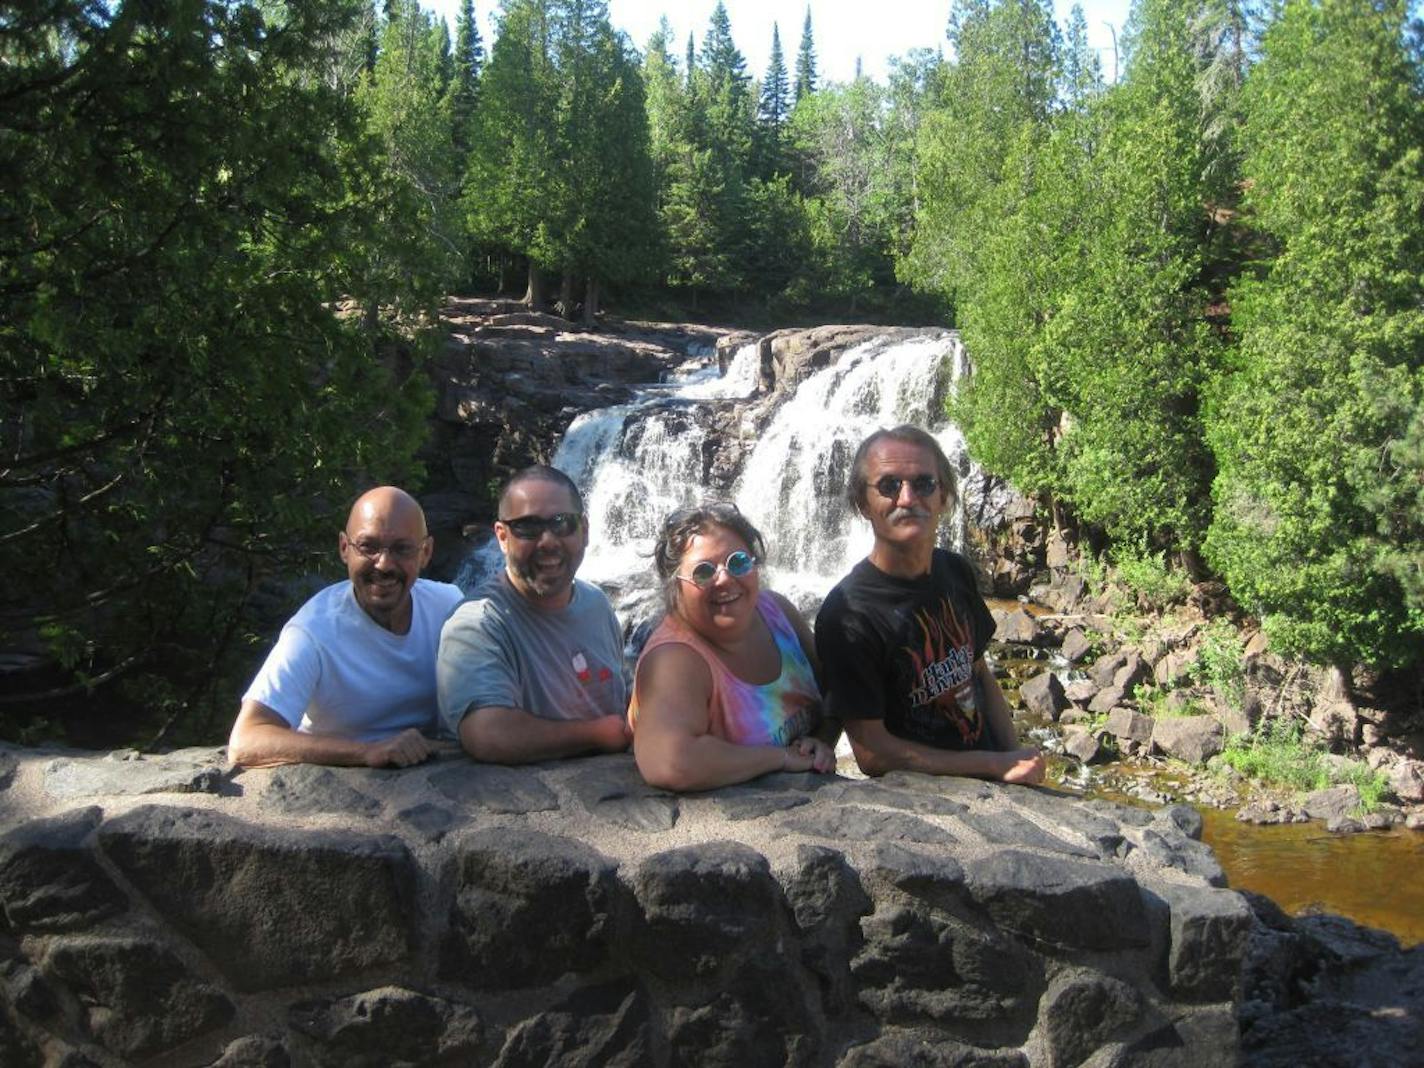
[1020, 628]
[873, 792]
[760, 1022]
[1166, 849]
[136, 997]
[1105, 700]
[310, 790]
[508, 791]
[1128, 725]
[897, 1048]
[1069, 903]
[1081, 1011]
[49, 879]
[614, 792]
[1080, 691]
[528, 909]
[1193, 739]
[1174, 666]
[704, 908]
[1076, 645]
[386, 1026]
[1069, 812]
[827, 899]
[1043, 695]
[128, 775]
[1133, 672]
[1083, 745]
[1006, 827]
[270, 907]
[919, 965]
[855, 823]
[1333, 802]
[1106, 667]
[1210, 931]
[599, 1025]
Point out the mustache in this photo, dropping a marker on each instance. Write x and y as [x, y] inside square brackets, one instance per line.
[909, 513]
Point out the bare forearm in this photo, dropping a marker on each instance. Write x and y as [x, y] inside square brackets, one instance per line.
[499, 735]
[911, 756]
[703, 762]
[262, 745]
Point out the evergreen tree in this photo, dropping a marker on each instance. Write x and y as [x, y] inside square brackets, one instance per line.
[773, 112]
[1318, 516]
[1082, 72]
[806, 61]
[469, 59]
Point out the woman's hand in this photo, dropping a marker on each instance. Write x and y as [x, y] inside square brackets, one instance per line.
[810, 754]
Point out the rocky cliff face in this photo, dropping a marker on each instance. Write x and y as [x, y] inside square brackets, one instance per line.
[168, 911]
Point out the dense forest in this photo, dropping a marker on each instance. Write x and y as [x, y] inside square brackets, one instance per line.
[1193, 295]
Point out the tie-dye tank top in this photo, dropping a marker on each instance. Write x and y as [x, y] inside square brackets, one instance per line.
[776, 713]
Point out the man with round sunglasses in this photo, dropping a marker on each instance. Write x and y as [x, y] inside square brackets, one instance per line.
[351, 679]
[531, 667]
[901, 638]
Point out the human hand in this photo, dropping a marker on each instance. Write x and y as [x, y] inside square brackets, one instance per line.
[823, 757]
[610, 734]
[1022, 766]
[406, 748]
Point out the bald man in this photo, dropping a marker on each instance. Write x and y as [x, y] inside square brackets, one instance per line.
[351, 679]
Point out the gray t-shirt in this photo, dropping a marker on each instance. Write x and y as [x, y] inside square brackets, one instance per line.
[498, 649]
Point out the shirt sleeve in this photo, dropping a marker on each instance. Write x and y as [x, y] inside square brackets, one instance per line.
[475, 666]
[851, 663]
[289, 676]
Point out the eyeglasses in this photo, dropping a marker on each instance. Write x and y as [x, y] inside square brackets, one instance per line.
[532, 527]
[398, 550]
[739, 564]
[888, 486]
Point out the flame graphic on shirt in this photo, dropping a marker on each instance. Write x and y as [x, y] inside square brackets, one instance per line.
[942, 656]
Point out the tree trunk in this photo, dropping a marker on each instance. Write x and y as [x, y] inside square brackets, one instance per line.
[534, 296]
[565, 307]
[590, 302]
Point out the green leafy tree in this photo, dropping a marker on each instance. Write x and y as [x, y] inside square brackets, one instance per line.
[190, 195]
[1316, 428]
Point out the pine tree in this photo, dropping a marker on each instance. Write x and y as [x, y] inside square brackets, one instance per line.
[773, 111]
[469, 59]
[806, 61]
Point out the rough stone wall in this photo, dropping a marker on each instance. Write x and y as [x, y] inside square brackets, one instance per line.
[166, 911]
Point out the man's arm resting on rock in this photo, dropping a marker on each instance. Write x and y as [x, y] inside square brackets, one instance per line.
[499, 735]
[877, 751]
[262, 739]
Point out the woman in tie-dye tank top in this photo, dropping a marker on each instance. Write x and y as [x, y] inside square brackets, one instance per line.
[725, 689]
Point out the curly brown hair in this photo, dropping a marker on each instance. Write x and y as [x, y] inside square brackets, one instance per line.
[686, 523]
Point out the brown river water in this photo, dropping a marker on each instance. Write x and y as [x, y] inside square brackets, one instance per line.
[1375, 878]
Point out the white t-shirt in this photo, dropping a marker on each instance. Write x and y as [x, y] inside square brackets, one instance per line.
[335, 671]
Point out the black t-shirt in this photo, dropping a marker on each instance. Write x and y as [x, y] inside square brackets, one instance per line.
[903, 650]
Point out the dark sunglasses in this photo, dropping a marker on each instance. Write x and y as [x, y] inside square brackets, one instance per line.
[739, 564]
[888, 486]
[532, 527]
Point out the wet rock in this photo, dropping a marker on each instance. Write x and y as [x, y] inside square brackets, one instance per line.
[1084, 745]
[245, 895]
[1334, 802]
[1076, 645]
[254, 1051]
[1082, 1010]
[493, 788]
[600, 1025]
[704, 908]
[1019, 627]
[615, 793]
[387, 1026]
[528, 909]
[1210, 931]
[1128, 725]
[49, 879]
[1344, 825]
[310, 790]
[120, 775]
[1043, 695]
[920, 965]
[1407, 781]
[1063, 902]
[1193, 739]
[137, 997]
[909, 1049]
[856, 823]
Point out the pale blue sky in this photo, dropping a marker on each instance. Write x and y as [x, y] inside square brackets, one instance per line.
[842, 29]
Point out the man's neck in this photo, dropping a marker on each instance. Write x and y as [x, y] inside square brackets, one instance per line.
[909, 561]
[553, 603]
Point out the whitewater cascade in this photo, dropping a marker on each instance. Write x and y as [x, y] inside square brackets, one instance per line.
[638, 461]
